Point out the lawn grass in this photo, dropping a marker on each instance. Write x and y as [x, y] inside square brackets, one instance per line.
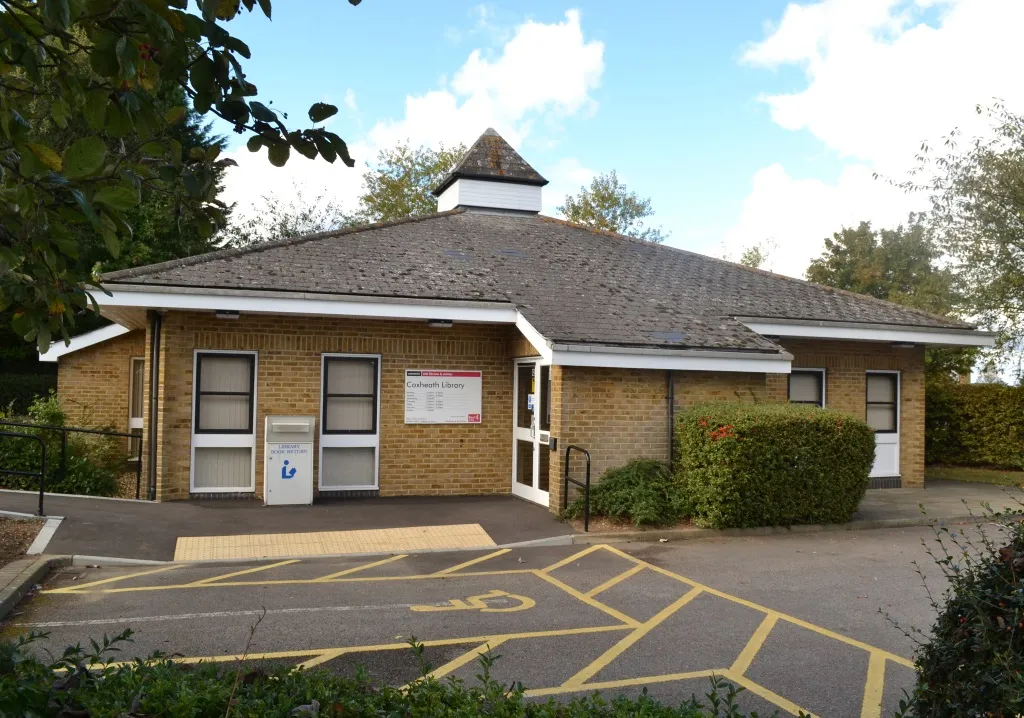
[999, 477]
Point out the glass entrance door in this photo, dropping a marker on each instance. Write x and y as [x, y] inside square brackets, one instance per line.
[531, 431]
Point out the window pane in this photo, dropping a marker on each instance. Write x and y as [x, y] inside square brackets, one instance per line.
[224, 373]
[138, 372]
[545, 396]
[223, 468]
[544, 470]
[344, 467]
[349, 413]
[525, 388]
[351, 376]
[524, 462]
[224, 413]
[881, 387]
[805, 386]
[882, 417]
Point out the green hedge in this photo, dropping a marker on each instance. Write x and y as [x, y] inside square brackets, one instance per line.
[744, 465]
[974, 424]
[642, 492]
[67, 687]
[94, 462]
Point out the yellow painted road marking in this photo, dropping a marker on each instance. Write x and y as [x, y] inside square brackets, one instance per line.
[872, 704]
[323, 658]
[624, 683]
[616, 580]
[749, 651]
[575, 557]
[288, 581]
[475, 561]
[628, 620]
[467, 657]
[477, 603]
[758, 689]
[212, 579]
[347, 571]
[75, 589]
[642, 630]
[316, 653]
[764, 609]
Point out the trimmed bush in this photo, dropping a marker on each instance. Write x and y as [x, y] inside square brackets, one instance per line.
[642, 492]
[94, 463]
[79, 684]
[974, 424]
[971, 663]
[744, 465]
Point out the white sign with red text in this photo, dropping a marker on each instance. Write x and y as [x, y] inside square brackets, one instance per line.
[440, 396]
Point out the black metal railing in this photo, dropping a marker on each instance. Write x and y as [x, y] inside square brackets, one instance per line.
[41, 474]
[134, 451]
[585, 484]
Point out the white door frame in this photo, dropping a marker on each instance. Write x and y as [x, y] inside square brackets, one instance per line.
[331, 441]
[887, 438]
[531, 434]
[223, 441]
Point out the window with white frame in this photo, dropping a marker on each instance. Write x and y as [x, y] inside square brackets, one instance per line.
[883, 402]
[807, 386]
[223, 424]
[349, 431]
[136, 404]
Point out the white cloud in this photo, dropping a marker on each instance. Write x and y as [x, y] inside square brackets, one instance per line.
[350, 100]
[881, 76]
[544, 71]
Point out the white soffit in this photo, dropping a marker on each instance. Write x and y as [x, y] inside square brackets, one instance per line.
[308, 304]
[871, 333]
[59, 348]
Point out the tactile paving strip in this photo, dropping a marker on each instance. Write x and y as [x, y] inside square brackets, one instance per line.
[320, 543]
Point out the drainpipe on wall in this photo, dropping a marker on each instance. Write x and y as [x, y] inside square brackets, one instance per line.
[154, 393]
[671, 419]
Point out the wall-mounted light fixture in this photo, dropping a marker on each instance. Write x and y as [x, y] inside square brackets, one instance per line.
[227, 314]
[440, 323]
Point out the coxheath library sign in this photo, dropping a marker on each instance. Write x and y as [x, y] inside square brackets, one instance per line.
[434, 396]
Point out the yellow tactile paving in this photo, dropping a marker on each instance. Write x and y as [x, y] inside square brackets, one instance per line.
[322, 543]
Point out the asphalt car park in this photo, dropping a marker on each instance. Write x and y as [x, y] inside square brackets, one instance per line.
[793, 620]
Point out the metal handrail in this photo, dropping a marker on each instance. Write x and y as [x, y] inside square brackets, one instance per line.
[64, 446]
[42, 464]
[585, 485]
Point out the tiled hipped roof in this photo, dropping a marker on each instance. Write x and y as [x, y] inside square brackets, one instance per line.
[573, 284]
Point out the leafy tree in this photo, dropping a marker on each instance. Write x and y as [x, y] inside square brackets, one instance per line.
[400, 183]
[899, 265]
[977, 196]
[278, 218]
[757, 255]
[109, 63]
[607, 204]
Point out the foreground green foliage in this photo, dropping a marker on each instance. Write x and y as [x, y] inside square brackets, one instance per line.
[743, 465]
[974, 424]
[971, 663]
[94, 463]
[110, 65]
[642, 492]
[78, 683]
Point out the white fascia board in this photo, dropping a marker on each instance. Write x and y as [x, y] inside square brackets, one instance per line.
[880, 333]
[59, 349]
[535, 338]
[309, 304]
[756, 363]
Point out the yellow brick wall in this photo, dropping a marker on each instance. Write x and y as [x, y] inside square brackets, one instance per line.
[93, 383]
[414, 459]
[846, 364]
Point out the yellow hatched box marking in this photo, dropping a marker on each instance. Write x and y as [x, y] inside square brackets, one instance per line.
[322, 543]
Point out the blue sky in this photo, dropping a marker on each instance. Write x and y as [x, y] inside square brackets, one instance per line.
[743, 121]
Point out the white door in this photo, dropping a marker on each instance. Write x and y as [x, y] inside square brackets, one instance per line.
[883, 415]
[531, 429]
[224, 422]
[349, 422]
